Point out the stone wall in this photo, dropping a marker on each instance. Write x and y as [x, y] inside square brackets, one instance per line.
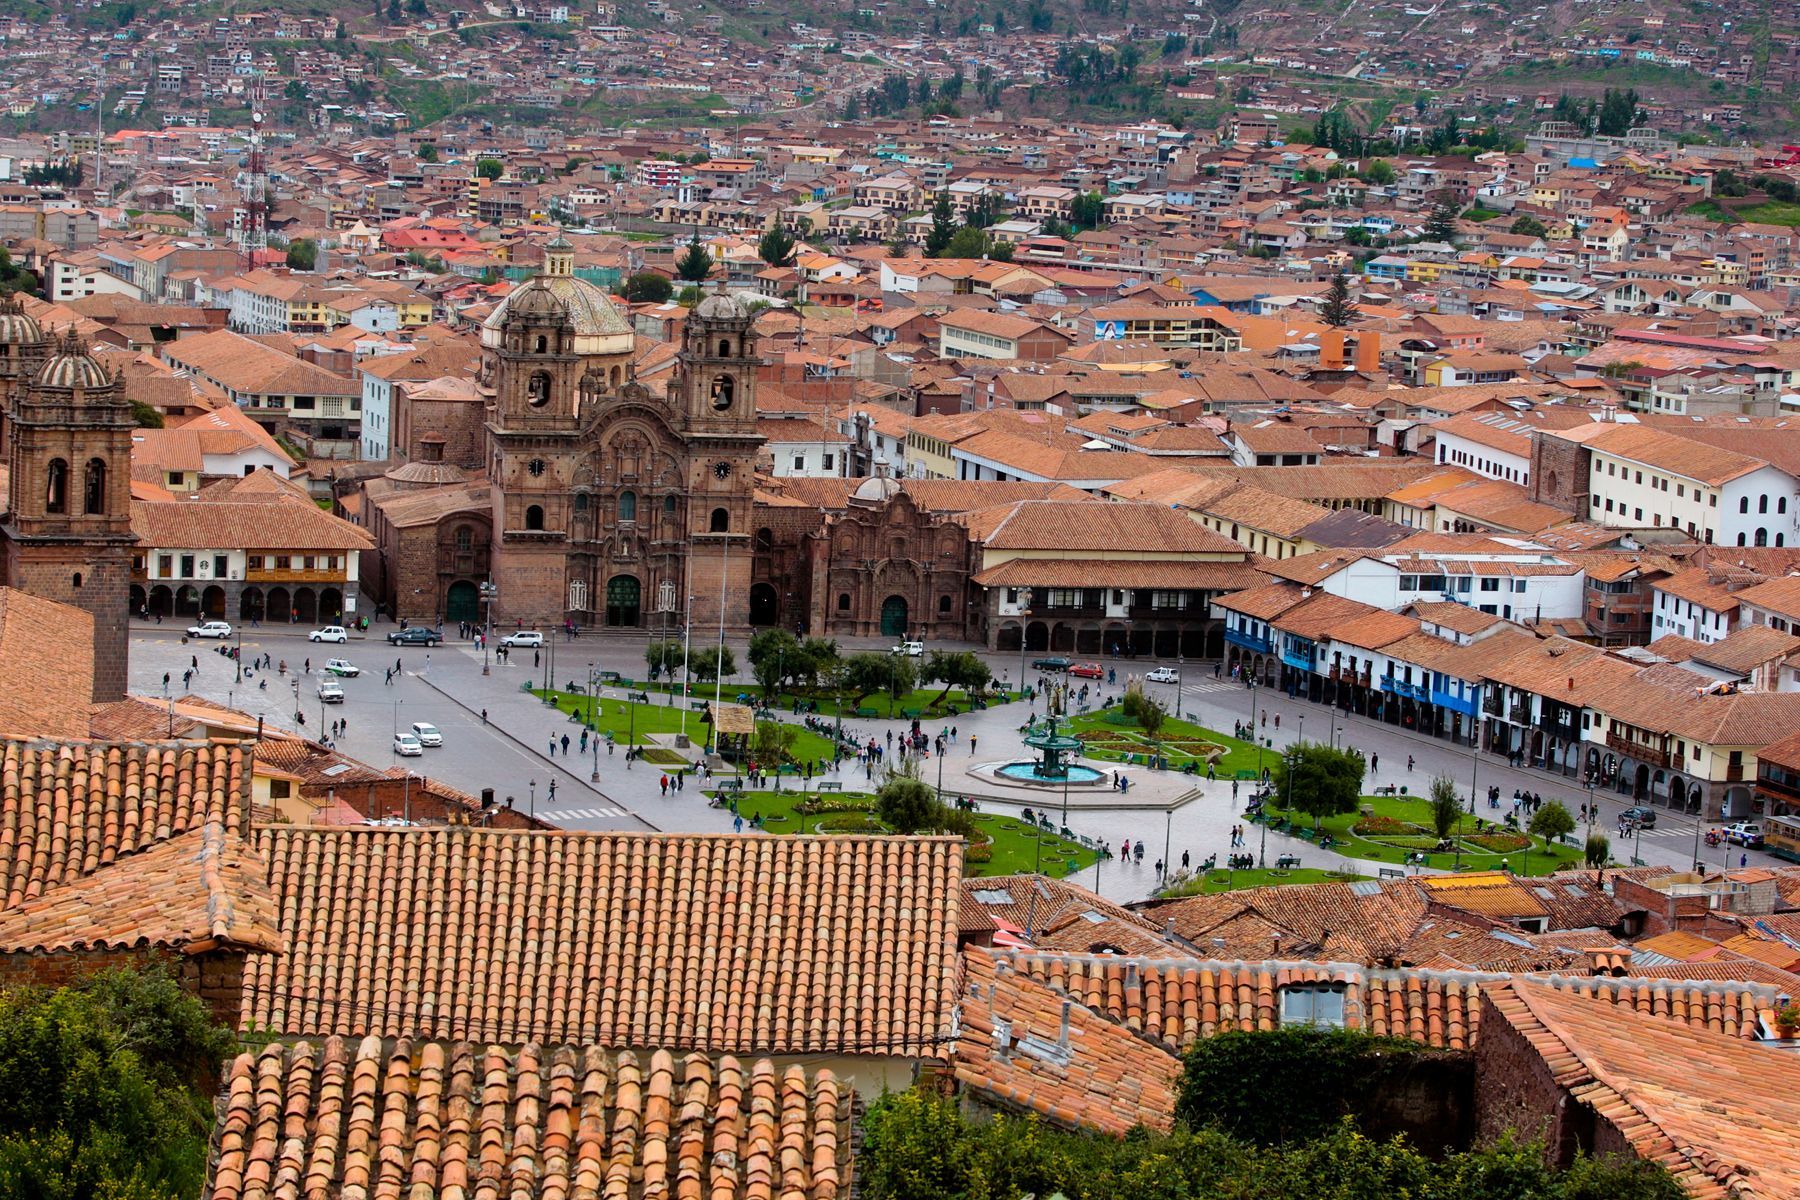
[216, 978]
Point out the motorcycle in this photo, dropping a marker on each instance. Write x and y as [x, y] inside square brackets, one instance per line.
[1713, 838]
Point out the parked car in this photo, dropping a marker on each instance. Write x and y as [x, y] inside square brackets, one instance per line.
[427, 733]
[1162, 675]
[910, 649]
[1641, 815]
[1088, 670]
[331, 633]
[330, 692]
[525, 637]
[416, 636]
[1744, 833]
[342, 666]
[1050, 664]
[407, 746]
[211, 629]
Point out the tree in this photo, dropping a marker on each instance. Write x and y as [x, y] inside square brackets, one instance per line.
[1446, 806]
[1338, 310]
[695, 264]
[489, 168]
[1618, 113]
[302, 254]
[428, 153]
[943, 226]
[663, 658]
[1379, 172]
[712, 662]
[1528, 226]
[774, 656]
[867, 673]
[106, 1088]
[776, 247]
[1441, 226]
[771, 745]
[647, 287]
[1598, 851]
[1319, 780]
[1148, 713]
[969, 242]
[1552, 821]
[905, 803]
[1087, 210]
[955, 669]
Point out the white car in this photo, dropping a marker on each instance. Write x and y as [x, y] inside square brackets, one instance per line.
[407, 746]
[427, 733]
[1745, 833]
[330, 692]
[212, 629]
[1162, 675]
[331, 633]
[342, 666]
[525, 637]
[910, 649]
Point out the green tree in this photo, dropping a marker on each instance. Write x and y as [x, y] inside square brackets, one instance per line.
[955, 669]
[776, 247]
[712, 662]
[106, 1088]
[1618, 113]
[774, 658]
[1528, 226]
[1441, 225]
[905, 803]
[145, 416]
[1379, 172]
[968, 242]
[1552, 821]
[428, 153]
[695, 264]
[943, 226]
[647, 287]
[772, 745]
[1446, 806]
[1598, 851]
[1338, 309]
[1147, 713]
[867, 673]
[302, 254]
[663, 657]
[1087, 210]
[1318, 780]
[489, 168]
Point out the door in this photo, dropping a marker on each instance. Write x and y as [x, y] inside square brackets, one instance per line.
[462, 602]
[893, 617]
[622, 594]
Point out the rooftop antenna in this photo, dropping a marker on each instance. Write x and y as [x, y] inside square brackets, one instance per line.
[100, 133]
[253, 236]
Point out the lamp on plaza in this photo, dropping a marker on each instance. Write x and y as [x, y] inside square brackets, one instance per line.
[1024, 612]
[532, 784]
[488, 592]
[299, 717]
[1253, 736]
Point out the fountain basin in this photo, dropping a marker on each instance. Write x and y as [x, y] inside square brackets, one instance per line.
[1033, 773]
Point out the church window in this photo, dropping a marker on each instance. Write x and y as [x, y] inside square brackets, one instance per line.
[765, 538]
[537, 389]
[721, 521]
[843, 601]
[723, 391]
[669, 505]
[77, 579]
[724, 348]
[534, 517]
[543, 344]
[944, 604]
[627, 506]
[94, 501]
[581, 502]
[465, 538]
[56, 487]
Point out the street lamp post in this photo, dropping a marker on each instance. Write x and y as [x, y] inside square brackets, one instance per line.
[1253, 737]
[488, 592]
[532, 784]
[1024, 612]
[687, 644]
[299, 717]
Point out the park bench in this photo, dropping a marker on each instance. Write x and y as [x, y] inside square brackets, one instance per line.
[731, 785]
[865, 711]
[1387, 789]
[1391, 873]
[697, 705]
[638, 697]
[911, 714]
[831, 787]
[612, 677]
[1286, 861]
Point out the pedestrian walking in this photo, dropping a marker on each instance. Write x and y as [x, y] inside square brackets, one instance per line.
[565, 745]
[972, 740]
[1409, 763]
[1374, 763]
[1159, 868]
[663, 785]
[1184, 860]
[194, 661]
[1277, 722]
[553, 745]
[397, 666]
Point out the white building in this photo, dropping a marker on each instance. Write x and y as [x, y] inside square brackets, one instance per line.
[1640, 477]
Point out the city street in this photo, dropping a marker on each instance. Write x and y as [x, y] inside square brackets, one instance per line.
[508, 752]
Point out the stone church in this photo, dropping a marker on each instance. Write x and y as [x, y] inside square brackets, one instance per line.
[599, 502]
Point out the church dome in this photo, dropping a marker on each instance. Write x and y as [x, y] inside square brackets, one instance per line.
[73, 367]
[876, 489]
[589, 310]
[722, 307]
[18, 327]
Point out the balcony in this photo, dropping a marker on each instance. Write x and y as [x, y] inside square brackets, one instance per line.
[1734, 772]
[1346, 675]
[1247, 640]
[1491, 704]
[1641, 751]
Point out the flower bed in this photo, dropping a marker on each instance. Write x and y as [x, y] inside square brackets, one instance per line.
[1379, 826]
[850, 822]
[834, 804]
[1499, 843]
[662, 757]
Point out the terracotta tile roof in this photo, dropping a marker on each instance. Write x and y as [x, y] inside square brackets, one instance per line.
[1682, 456]
[723, 943]
[1353, 922]
[1697, 585]
[197, 890]
[1676, 1093]
[1026, 1046]
[1174, 1002]
[1748, 648]
[410, 1119]
[269, 523]
[1050, 572]
[68, 810]
[1055, 913]
[1057, 525]
[52, 645]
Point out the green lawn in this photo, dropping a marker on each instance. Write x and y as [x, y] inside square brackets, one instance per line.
[1013, 847]
[1773, 212]
[1214, 882]
[1106, 739]
[1394, 848]
[923, 699]
[632, 724]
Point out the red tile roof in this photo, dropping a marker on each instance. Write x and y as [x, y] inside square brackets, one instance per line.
[721, 943]
[386, 1121]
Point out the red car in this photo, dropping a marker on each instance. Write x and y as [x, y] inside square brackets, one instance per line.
[1087, 670]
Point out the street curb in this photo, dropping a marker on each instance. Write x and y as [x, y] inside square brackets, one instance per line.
[511, 737]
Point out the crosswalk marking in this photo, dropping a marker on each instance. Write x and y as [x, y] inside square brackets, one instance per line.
[585, 812]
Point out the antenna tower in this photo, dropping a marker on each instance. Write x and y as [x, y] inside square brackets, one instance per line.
[254, 235]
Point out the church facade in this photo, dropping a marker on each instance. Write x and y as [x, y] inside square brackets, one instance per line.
[606, 503]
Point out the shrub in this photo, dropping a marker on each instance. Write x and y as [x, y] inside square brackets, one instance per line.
[1380, 826]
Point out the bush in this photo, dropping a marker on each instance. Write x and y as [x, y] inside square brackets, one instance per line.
[1379, 826]
[1500, 843]
[850, 822]
[834, 804]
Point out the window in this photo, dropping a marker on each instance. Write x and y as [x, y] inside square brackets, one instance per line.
[724, 390]
[1762, 504]
[165, 565]
[1168, 600]
[1313, 1004]
[843, 601]
[669, 505]
[534, 516]
[944, 605]
[94, 493]
[830, 462]
[187, 566]
[56, 486]
[537, 389]
[1743, 504]
[799, 462]
[1490, 585]
[627, 506]
[721, 521]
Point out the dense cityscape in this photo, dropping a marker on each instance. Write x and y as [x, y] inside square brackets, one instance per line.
[756, 600]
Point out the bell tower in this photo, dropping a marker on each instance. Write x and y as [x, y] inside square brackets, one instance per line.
[68, 531]
[716, 389]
